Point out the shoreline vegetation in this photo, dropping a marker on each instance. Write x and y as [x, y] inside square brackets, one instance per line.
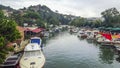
[8, 33]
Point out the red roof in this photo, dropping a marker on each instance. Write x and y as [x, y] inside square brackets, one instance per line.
[27, 29]
[37, 30]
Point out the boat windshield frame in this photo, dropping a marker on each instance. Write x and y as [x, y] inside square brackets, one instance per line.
[32, 53]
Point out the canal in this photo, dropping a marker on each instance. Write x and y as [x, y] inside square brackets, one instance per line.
[68, 51]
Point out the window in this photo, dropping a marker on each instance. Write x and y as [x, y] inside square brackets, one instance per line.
[32, 53]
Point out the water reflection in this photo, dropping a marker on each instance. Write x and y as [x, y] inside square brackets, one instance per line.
[106, 54]
[118, 59]
[90, 41]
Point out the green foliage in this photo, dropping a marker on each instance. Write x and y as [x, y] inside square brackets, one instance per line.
[32, 18]
[94, 23]
[10, 48]
[8, 32]
[32, 15]
[40, 23]
[78, 22]
[1, 14]
[111, 16]
[3, 53]
[84, 22]
[54, 21]
[111, 19]
[107, 55]
[2, 42]
[18, 18]
[8, 29]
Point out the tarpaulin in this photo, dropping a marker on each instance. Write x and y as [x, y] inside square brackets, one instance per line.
[107, 36]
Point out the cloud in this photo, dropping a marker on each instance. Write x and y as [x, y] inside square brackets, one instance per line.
[84, 8]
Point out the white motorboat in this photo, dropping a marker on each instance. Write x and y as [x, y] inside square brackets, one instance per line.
[32, 57]
[82, 34]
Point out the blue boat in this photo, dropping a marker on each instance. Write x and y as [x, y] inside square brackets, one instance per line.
[36, 40]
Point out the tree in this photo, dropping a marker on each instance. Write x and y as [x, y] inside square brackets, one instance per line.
[78, 22]
[40, 23]
[111, 16]
[54, 21]
[1, 14]
[32, 15]
[8, 33]
[2, 49]
[2, 42]
[95, 23]
[18, 18]
[8, 30]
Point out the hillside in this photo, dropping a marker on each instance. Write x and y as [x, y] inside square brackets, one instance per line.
[6, 8]
[44, 14]
[47, 14]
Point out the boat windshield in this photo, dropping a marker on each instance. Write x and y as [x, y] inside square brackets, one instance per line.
[32, 53]
[36, 41]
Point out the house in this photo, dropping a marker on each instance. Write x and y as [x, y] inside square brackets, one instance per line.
[33, 32]
[7, 12]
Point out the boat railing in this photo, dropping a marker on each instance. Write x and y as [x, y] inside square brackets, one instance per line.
[11, 61]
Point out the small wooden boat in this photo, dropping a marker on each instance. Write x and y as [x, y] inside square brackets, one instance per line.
[12, 61]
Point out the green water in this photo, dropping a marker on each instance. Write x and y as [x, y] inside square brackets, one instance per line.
[68, 51]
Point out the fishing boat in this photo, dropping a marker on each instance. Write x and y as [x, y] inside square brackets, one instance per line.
[12, 61]
[32, 57]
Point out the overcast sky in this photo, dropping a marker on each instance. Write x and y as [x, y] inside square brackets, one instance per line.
[84, 8]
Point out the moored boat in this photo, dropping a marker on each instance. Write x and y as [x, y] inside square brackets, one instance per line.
[82, 34]
[32, 57]
[104, 41]
[46, 34]
[12, 61]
